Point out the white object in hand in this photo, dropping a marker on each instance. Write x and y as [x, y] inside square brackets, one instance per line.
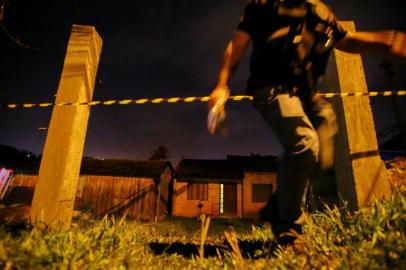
[217, 115]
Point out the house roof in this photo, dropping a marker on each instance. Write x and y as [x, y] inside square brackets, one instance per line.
[123, 167]
[254, 163]
[199, 169]
[106, 167]
[232, 168]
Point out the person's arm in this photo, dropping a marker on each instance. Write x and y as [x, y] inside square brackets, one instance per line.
[391, 43]
[232, 55]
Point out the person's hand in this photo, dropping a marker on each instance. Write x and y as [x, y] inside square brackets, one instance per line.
[398, 46]
[218, 97]
[217, 115]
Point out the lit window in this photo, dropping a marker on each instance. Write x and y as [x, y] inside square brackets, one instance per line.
[221, 198]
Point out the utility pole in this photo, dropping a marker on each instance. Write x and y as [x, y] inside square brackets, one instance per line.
[54, 194]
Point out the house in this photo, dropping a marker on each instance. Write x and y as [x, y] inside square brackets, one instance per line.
[138, 189]
[235, 187]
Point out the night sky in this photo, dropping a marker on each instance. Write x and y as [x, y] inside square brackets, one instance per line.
[155, 48]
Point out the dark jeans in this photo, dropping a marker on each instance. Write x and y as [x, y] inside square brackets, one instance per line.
[306, 130]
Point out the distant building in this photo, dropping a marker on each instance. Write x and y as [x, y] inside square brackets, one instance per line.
[236, 187]
[138, 189]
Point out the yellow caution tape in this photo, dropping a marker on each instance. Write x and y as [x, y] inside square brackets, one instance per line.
[173, 100]
[190, 99]
[360, 94]
[157, 100]
[109, 102]
[125, 101]
[43, 105]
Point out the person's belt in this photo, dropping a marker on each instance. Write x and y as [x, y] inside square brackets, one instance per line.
[268, 94]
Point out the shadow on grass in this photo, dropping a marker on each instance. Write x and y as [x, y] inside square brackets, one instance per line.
[15, 229]
[192, 225]
[249, 249]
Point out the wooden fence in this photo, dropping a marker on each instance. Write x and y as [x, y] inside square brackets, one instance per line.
[145, 199]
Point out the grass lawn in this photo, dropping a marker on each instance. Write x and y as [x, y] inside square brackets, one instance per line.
[373, 238]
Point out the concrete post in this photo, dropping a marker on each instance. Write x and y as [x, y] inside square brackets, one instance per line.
[360, 173]
[54, 194]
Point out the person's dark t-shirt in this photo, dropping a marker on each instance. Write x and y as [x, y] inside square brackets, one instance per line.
[291, 42]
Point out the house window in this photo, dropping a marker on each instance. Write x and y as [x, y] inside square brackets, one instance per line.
[197, 191]
[261, 192]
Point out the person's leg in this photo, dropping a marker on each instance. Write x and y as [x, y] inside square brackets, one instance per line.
[285, 114]
[323, 118]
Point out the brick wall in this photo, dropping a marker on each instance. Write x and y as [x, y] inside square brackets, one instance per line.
[189, 208]
[250, 209]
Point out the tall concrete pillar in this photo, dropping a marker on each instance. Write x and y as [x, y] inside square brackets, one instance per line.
[360, 173]
[54, 194]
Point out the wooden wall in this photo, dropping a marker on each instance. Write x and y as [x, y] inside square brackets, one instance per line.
[250, 209]
[135, 197]
[24, 180]
[164, 199]
[21, 190]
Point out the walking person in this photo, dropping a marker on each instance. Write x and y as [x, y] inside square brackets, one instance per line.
[291, 42]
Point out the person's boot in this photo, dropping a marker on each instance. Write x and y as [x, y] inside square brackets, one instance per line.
[269, 213]
[286, 233]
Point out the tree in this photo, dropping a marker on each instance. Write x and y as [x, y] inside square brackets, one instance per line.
[12, 158]
[160, 153]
